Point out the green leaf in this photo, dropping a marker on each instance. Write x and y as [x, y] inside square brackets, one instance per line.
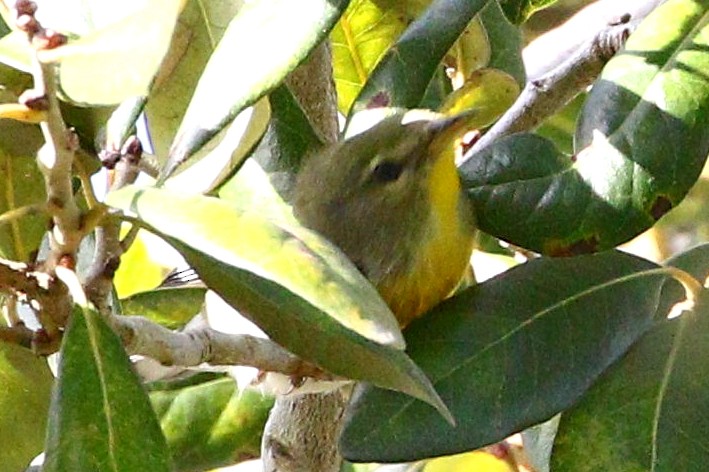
[290, 136]
[647, 118]
[214, 163]
[211, 424]
[292, 283]
[171, 307]
[22, 185]
[519, 11]
[505, 42]
[648, 411]
[24, 400]
[401, 77]
[113, 63]
[16, 52]
[509, 353]
[359, 40]
[100, 416]
[260, 47]
[560, 127]
[199, 29]
[486, 95]
[641, 142]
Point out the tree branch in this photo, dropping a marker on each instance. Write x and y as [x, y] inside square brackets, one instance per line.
[43, 294]
[553, 89]
[56, 156]
[193, 347]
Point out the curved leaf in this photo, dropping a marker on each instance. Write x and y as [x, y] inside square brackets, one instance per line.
[648, 411]
[100, 416]
[486, 94]
[643, 139]
[401, 77]
[293, 284]
[215, 162]
[262, 44]
[509, 353]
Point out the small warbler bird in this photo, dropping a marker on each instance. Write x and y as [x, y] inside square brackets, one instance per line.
[390, 198]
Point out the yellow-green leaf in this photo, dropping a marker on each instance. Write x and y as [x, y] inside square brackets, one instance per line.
[364, 33]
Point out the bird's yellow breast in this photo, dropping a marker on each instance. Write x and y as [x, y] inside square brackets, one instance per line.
[445, 248]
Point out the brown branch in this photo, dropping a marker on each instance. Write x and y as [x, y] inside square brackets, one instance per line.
[204, 345]
[548, 93]
[42, 293]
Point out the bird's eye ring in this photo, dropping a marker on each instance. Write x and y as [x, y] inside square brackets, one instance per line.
[387, 171]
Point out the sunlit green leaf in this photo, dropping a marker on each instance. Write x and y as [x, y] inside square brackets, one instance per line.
[261, 45]
[113, 63]
[486, 94]
[401, 77]
[199, 29]
[641, 142]
[297, 287]
[364, 33]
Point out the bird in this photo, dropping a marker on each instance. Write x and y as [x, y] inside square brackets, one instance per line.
[390, 198]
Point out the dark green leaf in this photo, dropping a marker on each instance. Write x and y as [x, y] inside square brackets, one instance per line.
[24, 400]
[509, 353]
[293, 284]
[211, 424]
[256, 52]
[100, 416]
[648, 412]
[171, 307]
[401, 77]
[505, 42]
[641, 143]
[290, 136]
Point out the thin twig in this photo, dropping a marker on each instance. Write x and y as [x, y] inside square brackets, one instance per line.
[21, 212]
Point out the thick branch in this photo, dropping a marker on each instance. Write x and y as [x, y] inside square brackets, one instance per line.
[204, 345]
[548, 93]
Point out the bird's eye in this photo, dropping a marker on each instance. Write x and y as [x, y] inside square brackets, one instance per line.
[387, 171]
